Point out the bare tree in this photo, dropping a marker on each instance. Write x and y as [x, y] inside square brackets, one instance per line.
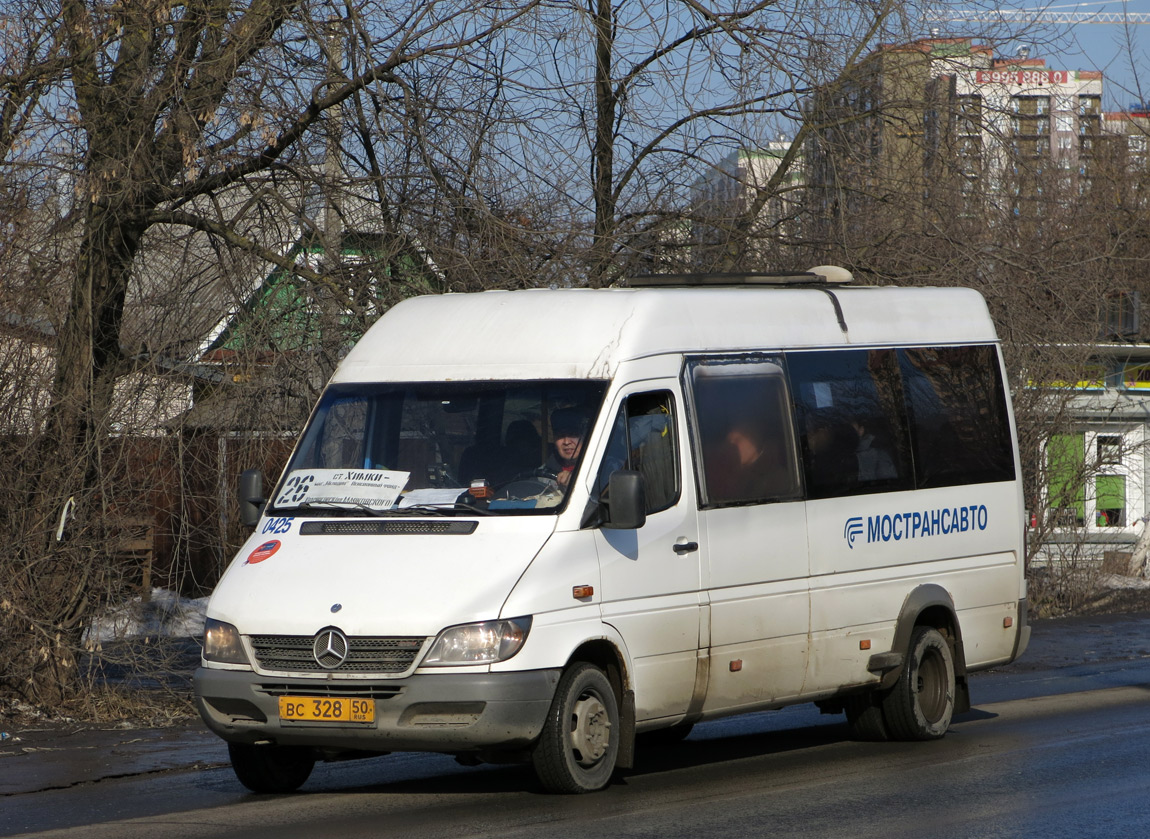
[154, 111]
[621, 107]
[167, 165]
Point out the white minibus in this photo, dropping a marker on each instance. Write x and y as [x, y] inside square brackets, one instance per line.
[536, 525]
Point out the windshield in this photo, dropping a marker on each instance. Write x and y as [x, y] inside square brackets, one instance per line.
[468, 447]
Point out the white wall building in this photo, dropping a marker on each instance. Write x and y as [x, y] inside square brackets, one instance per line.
[730, 190]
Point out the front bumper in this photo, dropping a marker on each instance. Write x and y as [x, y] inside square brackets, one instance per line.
[437, 712]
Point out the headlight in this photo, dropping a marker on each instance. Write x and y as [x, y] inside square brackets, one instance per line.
[222, 643]
[479, 643]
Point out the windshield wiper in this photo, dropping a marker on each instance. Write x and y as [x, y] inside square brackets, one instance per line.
[342, 506]
[441, 509]
[375, 512]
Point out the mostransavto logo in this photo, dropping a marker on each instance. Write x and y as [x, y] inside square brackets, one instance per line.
[897, 527]
[853, 530]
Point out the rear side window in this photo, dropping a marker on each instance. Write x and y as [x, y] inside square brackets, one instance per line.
[958, 416]
[743, 417]
[851, 420]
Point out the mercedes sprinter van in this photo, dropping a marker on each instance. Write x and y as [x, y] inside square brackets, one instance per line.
[532, 525]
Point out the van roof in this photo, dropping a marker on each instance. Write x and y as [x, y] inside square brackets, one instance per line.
[587, 333]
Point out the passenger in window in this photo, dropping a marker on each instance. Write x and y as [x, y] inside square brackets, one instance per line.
[832, 448]
[745, 465]
[874, 459]
[568, 427]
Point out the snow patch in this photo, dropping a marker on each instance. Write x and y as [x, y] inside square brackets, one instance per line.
[165, 615]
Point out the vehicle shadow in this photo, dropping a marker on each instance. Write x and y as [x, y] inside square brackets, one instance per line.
[440, 775]
[424, 774]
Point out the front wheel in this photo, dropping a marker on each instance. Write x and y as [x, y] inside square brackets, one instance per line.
[271, 769]
[921, 703]
[577, 749]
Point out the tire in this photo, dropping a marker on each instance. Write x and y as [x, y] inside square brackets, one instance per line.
[864, 716]
[577, 749]
[921, 703]
[271, 769]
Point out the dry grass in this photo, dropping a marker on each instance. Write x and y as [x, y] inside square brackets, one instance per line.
[1084, 589]
[137, 683]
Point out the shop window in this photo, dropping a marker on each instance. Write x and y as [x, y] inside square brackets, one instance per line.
[1065, 473]
[1110, 500]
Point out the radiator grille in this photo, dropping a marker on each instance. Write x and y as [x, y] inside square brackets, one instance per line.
[293, 654]
[323, 690]
[386, 528]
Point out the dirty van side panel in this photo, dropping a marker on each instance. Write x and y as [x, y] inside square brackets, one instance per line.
[651, 575]
[755, 527]
[561, 621]
[869, 552]
[929, 494]
[759, 604]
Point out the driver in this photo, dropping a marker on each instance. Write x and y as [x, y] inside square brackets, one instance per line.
[569, 427]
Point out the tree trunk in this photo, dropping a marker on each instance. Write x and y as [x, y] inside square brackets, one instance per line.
[603, 152]
[63, 564]
[1140, 558]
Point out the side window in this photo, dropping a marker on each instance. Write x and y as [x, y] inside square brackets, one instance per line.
[958, 416]
[852, 427]
[746, 443]
[643, 439]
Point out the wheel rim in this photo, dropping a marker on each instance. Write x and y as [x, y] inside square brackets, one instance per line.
[590, 729]
[931, 685]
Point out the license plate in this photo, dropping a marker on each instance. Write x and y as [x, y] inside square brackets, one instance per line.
[313, 709]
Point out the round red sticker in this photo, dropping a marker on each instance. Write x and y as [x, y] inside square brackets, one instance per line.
[263, 552]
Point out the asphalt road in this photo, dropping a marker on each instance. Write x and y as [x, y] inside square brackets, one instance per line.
[1056, 746]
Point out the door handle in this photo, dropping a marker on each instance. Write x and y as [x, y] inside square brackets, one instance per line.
[685, 547]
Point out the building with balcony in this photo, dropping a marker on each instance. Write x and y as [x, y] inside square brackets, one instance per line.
[943, 125]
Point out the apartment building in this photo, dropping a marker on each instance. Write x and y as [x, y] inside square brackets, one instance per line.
[943, 122]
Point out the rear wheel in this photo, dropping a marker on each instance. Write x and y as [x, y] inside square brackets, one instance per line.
[577, 749]
[271, 769]
[921, 703]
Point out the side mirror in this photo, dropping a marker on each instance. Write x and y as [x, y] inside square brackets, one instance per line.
[251, 496]
[626, 501]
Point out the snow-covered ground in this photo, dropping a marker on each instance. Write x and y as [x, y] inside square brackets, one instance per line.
[1115, 581]
[166, 615]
